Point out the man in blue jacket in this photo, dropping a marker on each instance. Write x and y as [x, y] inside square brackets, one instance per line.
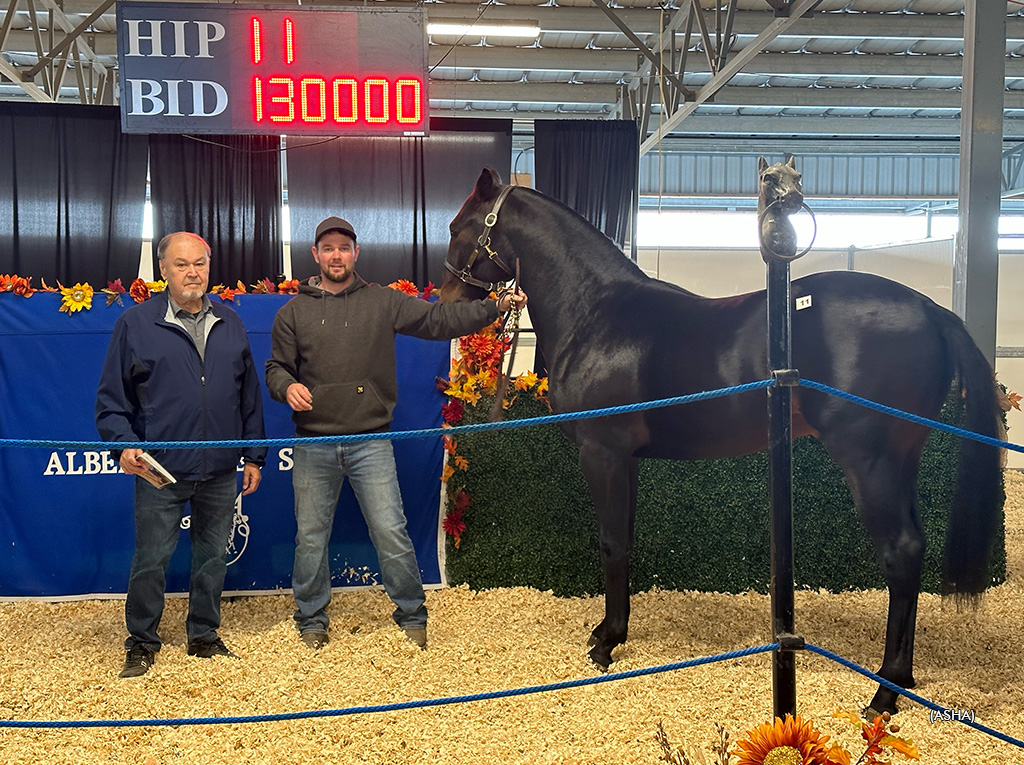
[179, 368]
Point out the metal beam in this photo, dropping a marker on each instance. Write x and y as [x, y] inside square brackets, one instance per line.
[735, 96]
[71, 37]
[976, 255]
[33, 90]
[798, 65]
[585, 20]
[654, 58]
[69, 28]
[742, 58]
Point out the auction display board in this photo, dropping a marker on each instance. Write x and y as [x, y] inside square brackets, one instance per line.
[66, 515]
[219, 68]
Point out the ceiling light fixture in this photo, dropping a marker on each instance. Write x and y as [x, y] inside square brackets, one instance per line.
[528, 29]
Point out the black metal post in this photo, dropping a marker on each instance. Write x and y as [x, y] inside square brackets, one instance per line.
[780, 473]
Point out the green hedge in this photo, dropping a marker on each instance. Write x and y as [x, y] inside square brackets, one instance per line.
[699, 526]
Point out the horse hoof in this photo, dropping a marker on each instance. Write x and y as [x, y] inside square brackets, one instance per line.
[601, 657]
[876, 708]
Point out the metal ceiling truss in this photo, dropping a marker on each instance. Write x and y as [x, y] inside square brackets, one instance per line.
[675, 100]
[60, 48]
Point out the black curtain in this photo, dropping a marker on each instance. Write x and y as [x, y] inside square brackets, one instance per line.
[227, 189]
[590, 165]
[72, 194]
[398, 193]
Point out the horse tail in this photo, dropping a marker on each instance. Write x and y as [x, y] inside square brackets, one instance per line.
[978, 496]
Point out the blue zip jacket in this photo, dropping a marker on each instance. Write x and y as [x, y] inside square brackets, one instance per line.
[155, 387]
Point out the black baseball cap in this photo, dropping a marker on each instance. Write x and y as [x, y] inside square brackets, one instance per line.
[334, 223]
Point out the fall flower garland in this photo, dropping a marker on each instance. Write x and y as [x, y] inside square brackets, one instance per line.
[473, 375]
[79, 297]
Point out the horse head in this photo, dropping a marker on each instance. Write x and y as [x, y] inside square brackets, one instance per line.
[780, 194]
[472, 267]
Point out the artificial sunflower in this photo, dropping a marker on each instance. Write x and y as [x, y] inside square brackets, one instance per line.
[792, 741]
[75, 298]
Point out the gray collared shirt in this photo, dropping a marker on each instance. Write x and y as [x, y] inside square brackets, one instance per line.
[196, 324]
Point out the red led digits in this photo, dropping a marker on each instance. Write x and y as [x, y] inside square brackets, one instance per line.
[323, 100]
[407, 101]
[257, 41]
[346, 103]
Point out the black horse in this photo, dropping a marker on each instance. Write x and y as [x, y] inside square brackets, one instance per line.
[612, 335]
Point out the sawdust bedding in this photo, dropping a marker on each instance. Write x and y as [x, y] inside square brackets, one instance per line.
[59, 661]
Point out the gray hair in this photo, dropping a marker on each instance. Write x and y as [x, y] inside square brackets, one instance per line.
[161, 249]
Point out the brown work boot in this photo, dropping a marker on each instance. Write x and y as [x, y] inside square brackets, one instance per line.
[418, 635]
[315, 640]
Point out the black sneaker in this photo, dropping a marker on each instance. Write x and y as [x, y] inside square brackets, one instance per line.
[209, 650]
[137, 661]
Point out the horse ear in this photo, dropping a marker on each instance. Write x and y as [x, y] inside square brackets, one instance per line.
[761, 165]
[791, 163]
[488, 185]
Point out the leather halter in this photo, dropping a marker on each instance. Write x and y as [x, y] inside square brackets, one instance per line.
[483, 242]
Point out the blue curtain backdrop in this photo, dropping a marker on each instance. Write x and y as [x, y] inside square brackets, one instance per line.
[66, 519]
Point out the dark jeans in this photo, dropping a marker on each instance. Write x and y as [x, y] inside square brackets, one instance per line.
[158, 514]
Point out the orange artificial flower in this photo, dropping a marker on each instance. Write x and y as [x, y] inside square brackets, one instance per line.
[7, 282]
[139, 291]
[406, 286]
[23, 286]
[289, 286]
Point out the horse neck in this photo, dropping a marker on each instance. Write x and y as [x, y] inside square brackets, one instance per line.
[566, 263]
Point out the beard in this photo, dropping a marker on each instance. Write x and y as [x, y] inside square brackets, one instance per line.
[193, 291]
[339, 275]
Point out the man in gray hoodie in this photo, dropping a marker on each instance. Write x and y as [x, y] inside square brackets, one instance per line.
[333, 363]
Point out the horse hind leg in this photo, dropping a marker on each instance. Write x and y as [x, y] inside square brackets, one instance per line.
[612, 479]
[885, 491]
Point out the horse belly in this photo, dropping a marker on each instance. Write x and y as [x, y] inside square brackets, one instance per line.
[728, 427]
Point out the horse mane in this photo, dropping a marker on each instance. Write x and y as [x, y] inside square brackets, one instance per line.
[580, 243]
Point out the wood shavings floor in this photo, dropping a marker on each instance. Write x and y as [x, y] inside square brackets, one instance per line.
[59, 661]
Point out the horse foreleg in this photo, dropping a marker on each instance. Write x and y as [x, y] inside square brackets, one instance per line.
[612, 479]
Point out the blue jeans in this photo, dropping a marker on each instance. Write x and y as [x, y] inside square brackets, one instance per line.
[318, 473]
[158, 514]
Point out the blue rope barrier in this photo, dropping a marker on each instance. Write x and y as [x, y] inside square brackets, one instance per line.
[911, 417]
[910, 695]
[316, 713]
[397, 435]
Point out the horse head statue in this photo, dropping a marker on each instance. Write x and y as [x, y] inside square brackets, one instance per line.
[779, 195]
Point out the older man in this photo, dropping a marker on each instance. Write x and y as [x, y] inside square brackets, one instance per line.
[179, 368]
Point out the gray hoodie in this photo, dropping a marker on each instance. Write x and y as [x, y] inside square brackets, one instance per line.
[341, 347]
